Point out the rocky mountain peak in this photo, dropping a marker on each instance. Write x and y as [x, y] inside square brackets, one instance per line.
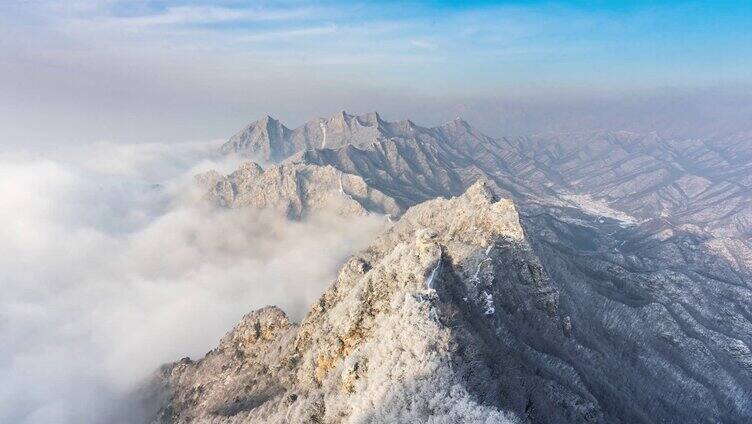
[460, 130]
[387, 342]
[343, 122]
[371, 118]
[269, 140]
[339, 121]
[267, 119]
[265, 137]
[262, 325]
[265, 123]
[476, 217]
[457, 124]
[296, 190]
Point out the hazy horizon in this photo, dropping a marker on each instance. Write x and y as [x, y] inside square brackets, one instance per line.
[168, 71]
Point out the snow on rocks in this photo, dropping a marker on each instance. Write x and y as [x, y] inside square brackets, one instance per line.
[323, 132]
[376, 346]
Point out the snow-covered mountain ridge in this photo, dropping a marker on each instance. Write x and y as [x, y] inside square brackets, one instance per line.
[599, 277]
[702, 183]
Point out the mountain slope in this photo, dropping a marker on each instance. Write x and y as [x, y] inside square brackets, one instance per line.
[379, 346]
[660, 323]
[269, 140]
[702, 183]
[296, 190]
[615, 289]
[465, 309]
[705, 183]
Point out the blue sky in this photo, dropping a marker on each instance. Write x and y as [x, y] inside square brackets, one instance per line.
[198, 51]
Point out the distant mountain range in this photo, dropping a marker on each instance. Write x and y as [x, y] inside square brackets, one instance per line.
[596, 277]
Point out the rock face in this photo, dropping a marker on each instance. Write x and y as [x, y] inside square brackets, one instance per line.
[611, 284]
[659, 324]
[398, 337]
[296, 190]
[270, 140]
[245, 372]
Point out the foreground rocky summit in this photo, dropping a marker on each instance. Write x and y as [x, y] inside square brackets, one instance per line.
[401, 336]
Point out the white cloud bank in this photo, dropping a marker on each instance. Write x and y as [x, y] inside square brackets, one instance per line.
[110, 267]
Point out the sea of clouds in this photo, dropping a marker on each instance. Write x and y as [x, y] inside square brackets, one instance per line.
[111, 264]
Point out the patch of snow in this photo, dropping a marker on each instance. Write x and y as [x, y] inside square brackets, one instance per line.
[490, 309]
[599, 208]
[477, 271]
[323, 130]
[432, 276]
[476, 276]
[342, 188]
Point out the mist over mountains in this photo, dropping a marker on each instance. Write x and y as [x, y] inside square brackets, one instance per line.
[430, 274]
[112, 265]
[576, 277]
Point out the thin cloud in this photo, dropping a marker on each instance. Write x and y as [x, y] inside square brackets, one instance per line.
[212, 14]
[145, 69]
[423, 45]
[88, 256]
[291, 33]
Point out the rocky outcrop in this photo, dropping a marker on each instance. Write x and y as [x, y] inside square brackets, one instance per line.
[269, 140]
[408, 332]
[296, 190]
[265, 138]
[246, 372]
